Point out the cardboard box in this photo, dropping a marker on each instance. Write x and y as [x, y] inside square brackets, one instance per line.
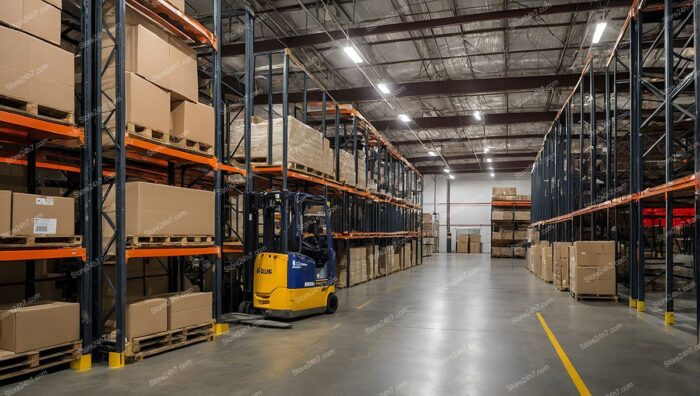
[145, 317]
[5, 213]
[463, 238]
[36, 17]
[462, 247]
[184, 82]
[502, 215]
[522, 215]
[35, 71]
[42, 215]
[547, 273]
[474, 247]
[560, 260]
[594, 253]
[38, 326]
[185, 211]
[193, 121]
[503, 191]
[592, 280]
[189, 309]
[474, 238]
[179, 4]
[147, 55]
[147, 105]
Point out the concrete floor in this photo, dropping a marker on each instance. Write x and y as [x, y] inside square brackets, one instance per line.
[457, 325]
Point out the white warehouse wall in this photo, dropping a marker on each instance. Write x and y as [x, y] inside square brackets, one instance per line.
[470, 198]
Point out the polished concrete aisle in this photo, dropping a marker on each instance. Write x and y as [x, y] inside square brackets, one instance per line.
[457, 325]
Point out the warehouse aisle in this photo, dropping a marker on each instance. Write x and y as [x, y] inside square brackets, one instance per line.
[458, 325]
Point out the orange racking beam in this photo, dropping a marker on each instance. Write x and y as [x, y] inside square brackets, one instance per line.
[34, 128]
[170, 252]
[42, 254]
[175, 21]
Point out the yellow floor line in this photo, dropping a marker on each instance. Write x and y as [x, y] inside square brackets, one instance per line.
[394, 288]
[582, 389]
[365, 304]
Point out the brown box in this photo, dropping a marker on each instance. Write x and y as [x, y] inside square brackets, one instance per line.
[547, 273]
[189, 309]
[560, 260]
[463, 238]
[592, 280]
[157, 209]
[179, 4]
[474, 247]
[42, 215]
[147, 55]
[147, 105]
[502, 215]
[522, 215]
[35, 71]
[193, 121]
[462, 247]
[184, 83]
[38, 326]
[36, 17]
[5, 213]
[594, 253]
[474, 238]
[145, 317]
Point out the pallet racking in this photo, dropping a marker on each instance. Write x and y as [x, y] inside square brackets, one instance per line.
[646, 150]
[511, 225]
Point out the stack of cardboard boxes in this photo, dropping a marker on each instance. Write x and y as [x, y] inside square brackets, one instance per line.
[535, 258]
[358, 266]
[38, 325]
[547, 272]
[167, 312]
[430, 234]
[185, 212]
[507, 194]
[161, 84]
[33, 67]
[23, 215]
[462, 243]
[468, 243]
[560, 257]
[592, 268]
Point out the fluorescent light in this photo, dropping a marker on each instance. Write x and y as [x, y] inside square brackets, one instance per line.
[404, 118]
[486, 149]
[432, 153]
[383, 88]
[598, 33]
[493, 174]
[490, 168]
[477, 115]
[446, 170]
[452, 176]
[489, 160]
[352, 53]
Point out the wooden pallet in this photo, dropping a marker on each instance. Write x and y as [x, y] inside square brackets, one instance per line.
[148, 133]
[608, 297]
[41, 241]
[194, 145]
[36, 110]
[563, 289]
[17, 364]
[138, 348]
[168, 240]
[295, 166]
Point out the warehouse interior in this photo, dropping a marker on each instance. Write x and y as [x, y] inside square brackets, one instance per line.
[424, 197]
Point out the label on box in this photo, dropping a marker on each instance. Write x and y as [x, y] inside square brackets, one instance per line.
[44, 226]
[44, 201]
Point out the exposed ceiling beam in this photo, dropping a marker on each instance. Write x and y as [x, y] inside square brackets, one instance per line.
[461, 139]
[321, 38]
[449, 122]
[448, 157]
[474, 168]
[445, 87]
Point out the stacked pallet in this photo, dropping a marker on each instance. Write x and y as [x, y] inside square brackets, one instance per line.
[358, 266]
[36, 75]
[430, 234]
[161, 87]
[509, 222]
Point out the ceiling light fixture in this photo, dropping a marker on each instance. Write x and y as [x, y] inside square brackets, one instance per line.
[352, 54]
[493, 174]
[383, 88]
[598, 33]
[452, 176]
[446, 170]
[477, 115]
[489, 160]
[486, 149]
[404, 118]
[432, 153]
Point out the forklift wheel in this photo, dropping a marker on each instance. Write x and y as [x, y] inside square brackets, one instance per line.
[332, 303]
